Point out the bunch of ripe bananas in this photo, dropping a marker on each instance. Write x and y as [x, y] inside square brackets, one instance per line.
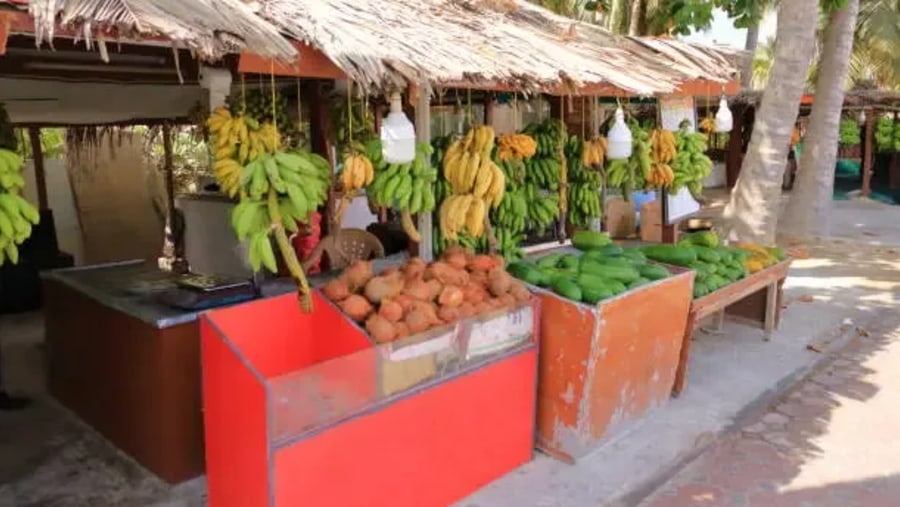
[708, 125]
[238, 140]
[520, 146]
[357, 173]
[17, 216]
[663, 151]
[469, 168]
[461, 212]
[594, 152]
[407, 188]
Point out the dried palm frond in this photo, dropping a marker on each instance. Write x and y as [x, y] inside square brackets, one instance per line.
[212, 28]
[386, 43]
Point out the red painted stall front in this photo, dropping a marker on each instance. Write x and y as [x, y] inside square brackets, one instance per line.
[302, 409]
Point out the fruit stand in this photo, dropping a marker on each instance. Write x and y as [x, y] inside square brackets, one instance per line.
[744, 280]
[609, 352]
[424, 420]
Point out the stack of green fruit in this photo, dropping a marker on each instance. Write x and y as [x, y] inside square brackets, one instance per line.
[604, 270]
[691, 164]
[631, 174]
[715, 266]
[584, 186]
[887, 135]
[544, 175]
[17, 216]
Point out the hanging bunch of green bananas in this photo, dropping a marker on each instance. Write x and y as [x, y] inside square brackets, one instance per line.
[278, 190]
[509, 221]
[691, 164]
[407, 188]
[17, 216]
[631, 174]
[584, 186]
[546, 174]
[256, 104]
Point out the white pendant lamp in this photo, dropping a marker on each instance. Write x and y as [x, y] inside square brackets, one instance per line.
[619, 138]
[724, 120]
[398, 135]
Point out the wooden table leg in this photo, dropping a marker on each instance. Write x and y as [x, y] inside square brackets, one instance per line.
[771, 309]
[684, 356]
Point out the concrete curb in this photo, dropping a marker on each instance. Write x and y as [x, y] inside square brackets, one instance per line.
[705, 442]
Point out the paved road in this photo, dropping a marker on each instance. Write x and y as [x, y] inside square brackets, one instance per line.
[832, 441]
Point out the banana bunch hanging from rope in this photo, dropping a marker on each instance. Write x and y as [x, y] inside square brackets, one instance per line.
[357, 173]
[632, 173]
[691, 165]
[516, 146]
[584, 188]
[594, 152]
[708, 125]
[469, 168]
[407, 188]
[238, 140]
[17, 216]
[663, 151]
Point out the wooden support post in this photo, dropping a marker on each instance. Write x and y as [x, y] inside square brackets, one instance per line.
[170, 172]
[40, 180]
[488, 110]
[423, 135]
[868, 135]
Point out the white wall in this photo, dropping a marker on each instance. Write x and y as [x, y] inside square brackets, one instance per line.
[61, 201]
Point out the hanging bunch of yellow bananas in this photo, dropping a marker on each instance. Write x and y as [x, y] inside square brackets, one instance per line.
[520, 146]
[594, 152]
[462, 212]
[475, 180]
[469, 168]
[357, 173]
[663, 151]
[238, 140]
[708, 125]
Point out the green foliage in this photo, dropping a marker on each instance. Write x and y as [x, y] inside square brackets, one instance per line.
[849, 132]
[53, 143]
[745, 13]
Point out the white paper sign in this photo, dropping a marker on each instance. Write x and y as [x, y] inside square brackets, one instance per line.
[674, 110]
[501, 333]
[680, 206]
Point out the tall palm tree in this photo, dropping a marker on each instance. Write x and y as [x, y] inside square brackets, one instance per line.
[752, 213]
[809, 210]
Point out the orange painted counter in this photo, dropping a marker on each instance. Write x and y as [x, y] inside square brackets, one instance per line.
[604, 366]
[303, 409]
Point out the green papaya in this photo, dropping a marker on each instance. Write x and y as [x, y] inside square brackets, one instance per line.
[653, 272]
[549, 260]
[590, 240]
[637, 283]
[671, 254]
[593, 295]
[625, 274]
[707, 254]
[567, 289]
[569, 261]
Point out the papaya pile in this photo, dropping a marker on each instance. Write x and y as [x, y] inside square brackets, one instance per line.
[760, 257]
[601, 272]
[715, 266]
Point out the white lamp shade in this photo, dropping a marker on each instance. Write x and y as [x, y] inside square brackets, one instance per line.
[398, 135]
[724, 120]
[619, 138]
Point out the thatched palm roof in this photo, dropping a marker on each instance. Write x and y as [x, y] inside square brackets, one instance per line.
[211, 28]
[383, 43]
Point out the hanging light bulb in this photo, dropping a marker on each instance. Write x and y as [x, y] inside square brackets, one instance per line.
[619, 138]
[398, 136]
[724, 120]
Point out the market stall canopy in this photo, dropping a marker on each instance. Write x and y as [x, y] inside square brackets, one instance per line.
[382, 44]
[211, 28]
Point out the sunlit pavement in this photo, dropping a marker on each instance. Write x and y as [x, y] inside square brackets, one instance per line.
[830, 442]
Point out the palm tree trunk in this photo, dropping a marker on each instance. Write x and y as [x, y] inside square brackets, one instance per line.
[809, 211]
[637, 16]
[752, 213]
[750, 45]
[618, 16]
